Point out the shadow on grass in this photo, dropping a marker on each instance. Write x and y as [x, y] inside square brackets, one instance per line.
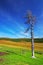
[20, 54]
[38, 52]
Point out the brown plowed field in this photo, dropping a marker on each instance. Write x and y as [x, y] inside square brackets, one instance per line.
[38, 46]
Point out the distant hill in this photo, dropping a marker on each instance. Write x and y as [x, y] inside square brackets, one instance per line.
[38, 40]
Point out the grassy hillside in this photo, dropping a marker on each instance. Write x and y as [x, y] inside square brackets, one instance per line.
[19, 53]
[37, 40]
[16, 56]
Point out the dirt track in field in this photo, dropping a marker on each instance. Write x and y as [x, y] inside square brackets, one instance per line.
[38, 46]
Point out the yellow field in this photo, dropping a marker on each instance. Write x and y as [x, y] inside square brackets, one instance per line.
[38, 46]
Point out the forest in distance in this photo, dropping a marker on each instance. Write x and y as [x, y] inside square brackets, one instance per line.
[36, 40]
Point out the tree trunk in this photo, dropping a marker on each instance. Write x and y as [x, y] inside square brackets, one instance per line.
[32, 41]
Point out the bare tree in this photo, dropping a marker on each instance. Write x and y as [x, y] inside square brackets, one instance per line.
[30, 21]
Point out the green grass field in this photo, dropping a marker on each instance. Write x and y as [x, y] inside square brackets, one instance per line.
[19, 56]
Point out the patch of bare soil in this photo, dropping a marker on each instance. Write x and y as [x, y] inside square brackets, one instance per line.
[3, 53]
[1, 59]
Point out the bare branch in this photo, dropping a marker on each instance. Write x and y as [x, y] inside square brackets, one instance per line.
[33, 18]
[27, 30]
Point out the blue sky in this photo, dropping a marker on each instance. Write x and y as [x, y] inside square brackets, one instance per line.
[12, 19]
